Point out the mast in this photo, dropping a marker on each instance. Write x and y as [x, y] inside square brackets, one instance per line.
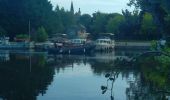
[29, 30]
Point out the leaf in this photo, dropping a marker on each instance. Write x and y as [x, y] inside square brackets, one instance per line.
[107, 75]
[103, 88]
[104, 91]
[112, 79]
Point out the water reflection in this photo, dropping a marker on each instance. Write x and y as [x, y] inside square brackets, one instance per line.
[4, 56]
[153, 83]
[17, 82]
[39, 76]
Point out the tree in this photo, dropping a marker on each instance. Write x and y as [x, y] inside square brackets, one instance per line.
[86, 20]
[16, 14]
[2, 31]
[114, 24]
[166, 5]
[130, 28]
[158, 8]
[22, 36]
[41, 35]
[148, 27]
[99, 22]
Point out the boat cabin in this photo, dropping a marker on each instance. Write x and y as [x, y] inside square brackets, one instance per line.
[104, 43]
[78, 41]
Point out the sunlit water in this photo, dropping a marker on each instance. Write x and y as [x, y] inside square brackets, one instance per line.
[39, 76]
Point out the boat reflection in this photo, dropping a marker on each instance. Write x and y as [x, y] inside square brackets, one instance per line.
[4, 56]
[26, 76]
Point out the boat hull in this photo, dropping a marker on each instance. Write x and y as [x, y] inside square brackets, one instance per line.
[72, 50]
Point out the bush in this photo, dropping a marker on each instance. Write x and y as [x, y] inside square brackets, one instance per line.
[22, 36]
[153, 45]
[41, 35]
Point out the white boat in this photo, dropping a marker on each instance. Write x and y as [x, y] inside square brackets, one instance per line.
[6, 45]
[104, 44]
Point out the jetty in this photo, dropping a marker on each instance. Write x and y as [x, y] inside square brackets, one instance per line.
[133, 45]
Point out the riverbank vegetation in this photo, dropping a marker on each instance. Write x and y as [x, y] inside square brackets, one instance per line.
[149, 21]
[155, 70]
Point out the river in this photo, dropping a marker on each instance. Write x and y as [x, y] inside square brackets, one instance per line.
[39, 76]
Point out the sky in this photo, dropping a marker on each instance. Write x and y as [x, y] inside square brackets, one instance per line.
[91, 6]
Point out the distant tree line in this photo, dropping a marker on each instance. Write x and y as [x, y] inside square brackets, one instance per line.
[159, 10]
[143, 24]
[125, 26]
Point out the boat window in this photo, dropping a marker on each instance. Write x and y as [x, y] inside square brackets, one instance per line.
[78, 41]
[81, 41]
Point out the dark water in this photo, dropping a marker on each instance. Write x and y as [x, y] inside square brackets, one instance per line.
[39, 76]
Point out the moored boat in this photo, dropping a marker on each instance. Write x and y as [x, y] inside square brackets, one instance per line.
[6, 45]
[76, 46]
[104, 44]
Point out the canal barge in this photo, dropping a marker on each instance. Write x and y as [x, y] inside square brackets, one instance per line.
[75, 46]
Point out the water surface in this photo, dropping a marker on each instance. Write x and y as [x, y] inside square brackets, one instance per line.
[39, 76]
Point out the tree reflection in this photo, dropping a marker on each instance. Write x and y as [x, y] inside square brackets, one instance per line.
[17, 82]
[118, 64]
[112, 71]
[153, 82]
[60, 62]
[20, 81]
[150, 79]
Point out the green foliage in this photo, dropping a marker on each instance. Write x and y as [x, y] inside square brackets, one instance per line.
[160, 9]
[156, 69]
[153, 45]
[114, 24]
[131, 26]
[166, 5]
[167, 49]
[16, 14]
[22, 36]
[86, 20]
[148, 26]
[41, 35]
[98, 23]
[2, 31]
[167, 24]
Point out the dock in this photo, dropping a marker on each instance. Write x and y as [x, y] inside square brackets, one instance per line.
[133, 45]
